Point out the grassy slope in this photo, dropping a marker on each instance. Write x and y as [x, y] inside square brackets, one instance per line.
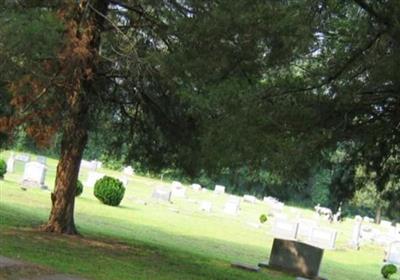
[136, 241]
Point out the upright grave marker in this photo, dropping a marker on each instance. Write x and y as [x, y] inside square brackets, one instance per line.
[11, 164]
[92, 178]
[161, 194]
[219, 189]
[285, 229]
[34, 175]
[393, 254]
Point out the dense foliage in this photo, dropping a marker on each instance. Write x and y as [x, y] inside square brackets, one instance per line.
[3, 168]
[79, 188]
[388, 270]
[109, 191]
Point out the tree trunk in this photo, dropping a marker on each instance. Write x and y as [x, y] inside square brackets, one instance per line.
[378, 215]
[73, 143]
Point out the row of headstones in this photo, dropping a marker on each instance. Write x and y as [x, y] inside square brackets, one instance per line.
[305, 230]
[34, 171]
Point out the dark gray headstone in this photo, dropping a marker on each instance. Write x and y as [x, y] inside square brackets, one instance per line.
[296, 257]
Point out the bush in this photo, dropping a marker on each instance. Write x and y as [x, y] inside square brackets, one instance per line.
[263, 218]
[3, 168]
[79, 188]
[109, 190]
[388, 270]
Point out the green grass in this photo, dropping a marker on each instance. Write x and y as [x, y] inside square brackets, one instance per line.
[136, 241]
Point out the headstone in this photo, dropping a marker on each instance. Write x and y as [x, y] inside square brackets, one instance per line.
[285, 229]
[98, 164]
[23, 157]
[41, 159]
[393, 254]
[386, 224]
[128, 170]
[306, 227]
[92, 178]
[196, 187]
[10, 164]
[356, 233]
[34, 175]
[206, 206]
[219, 189]
[178, 190]
[323, 238]
[232, 206]
[161, 194]
[124, 180]
[301, 259]
[249, 198]
[91, 165]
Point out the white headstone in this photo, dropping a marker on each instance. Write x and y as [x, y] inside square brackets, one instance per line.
[206, 206]
[393, 254]
[323, 237]
[23, 157]
[249, 198]
[356, 233]
[178, 189]
[161, 194]
[232, 206]
[41, 159]
[386, 224]
[306, 227]
[34, 174]
[128, 170]
[10, 164]
[284, 229]
[219, 189]
[91, 165]
[196, 187]
[124, 180]
[92, 178]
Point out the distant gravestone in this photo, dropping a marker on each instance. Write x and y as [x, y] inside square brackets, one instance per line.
[92, 178]
[128, 170]
[196, 187]
[91, 165]
[124, 180]
[301, 259]
[177, 189]
[34, 175]
[386, 224]
[161, 194]
[285, 229]
[206, 206]
[306, 227]
[23, 157]
[323, 238]
[41, 159]
[232, 206]
[219, 189]
[249, 198]
[11, 164]
[356, 233]
[393, 254]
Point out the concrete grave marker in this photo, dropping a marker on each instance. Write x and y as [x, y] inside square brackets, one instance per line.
[285, 229]
[90, 165]
[161, 194]
[196, 187]
[128, 170]
[41, 159]
[393, 254]
[306, 227]
[249, 198]
[178, 190]
[232, 206]
[23, 157]
[11, 164]
[296, 257]
[356, 233]
[34, 175]
[206, 206]
[124, 180]
[219, 189]
[323, 238]
[92, 178]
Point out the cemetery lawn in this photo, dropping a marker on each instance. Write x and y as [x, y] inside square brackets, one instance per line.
[156, 240]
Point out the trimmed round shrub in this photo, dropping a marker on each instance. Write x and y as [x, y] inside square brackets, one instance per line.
[109, 190]
[3, 168]
[79, 188]
[388, 270]
[263, 218]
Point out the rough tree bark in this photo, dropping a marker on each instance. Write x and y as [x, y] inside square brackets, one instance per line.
[86, 20]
